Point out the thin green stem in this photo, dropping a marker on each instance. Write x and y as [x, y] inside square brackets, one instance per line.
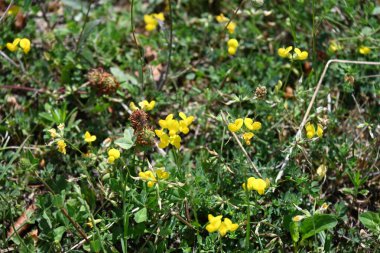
[248, 229]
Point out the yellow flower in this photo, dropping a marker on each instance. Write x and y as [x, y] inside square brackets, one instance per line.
[151, 21]
[164, 123]
[334, 46]
[113, 154]
[61, 146]
[221, 18]
[300, 55]
[364, 50]
[284, 52]
[214, 223]
[147, 106]
[247, 137]
[226, 226]
[13, 10]
[88, 137]
[89, 223]
[319, 130]
[232, 43]
[162, 174]
[298, 218]
[53, 133]
[175, 140]
[13, 46]
[324, 206]
[133, 107]
[148, 176]
[258, 185]
[321, 171]
[310, 130]
[232, 46]
[251, 125]
[185, 123]
[173, 127]
[164, 140]
[234, 127]
[25, 45]
[231, 27]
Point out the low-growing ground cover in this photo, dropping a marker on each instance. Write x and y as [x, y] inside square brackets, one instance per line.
[189, 126]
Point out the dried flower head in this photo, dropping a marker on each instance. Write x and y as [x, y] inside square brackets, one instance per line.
[103, 81]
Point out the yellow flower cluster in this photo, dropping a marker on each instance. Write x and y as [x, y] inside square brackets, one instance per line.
[249, 124]
[61, 145]
[150, 176]
[88, 137]
[224, 20]
[24, 44]
[364, 50]
[144, 105]
[216, 224]
[311, 132]
[151, 20]
[297, 55]
[113, 154]
[256, 184]
[174, 127]
[232, 46]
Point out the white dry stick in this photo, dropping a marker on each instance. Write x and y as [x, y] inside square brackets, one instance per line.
[298, 134]
[241, 146]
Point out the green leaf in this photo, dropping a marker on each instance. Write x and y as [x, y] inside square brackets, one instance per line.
[316, 223]
[141, 215]
[294, 231]
[371, 220]
[127, 141]
[58, 233]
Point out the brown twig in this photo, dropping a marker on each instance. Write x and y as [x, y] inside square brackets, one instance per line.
[6, 11]
[235, 13]
[299, 132]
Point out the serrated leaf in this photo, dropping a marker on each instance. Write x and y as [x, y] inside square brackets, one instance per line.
[141, 215]
[316, 223]
[371, 220]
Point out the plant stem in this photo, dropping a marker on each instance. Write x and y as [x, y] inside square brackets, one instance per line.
[248, 230]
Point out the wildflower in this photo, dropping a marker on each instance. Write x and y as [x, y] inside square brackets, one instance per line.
[232, 46]
[53, 133]
[90, 224]
[216, 224]
[234, 127]
[61, 146]
[13, 46]
[226, 226]
[151, 20]
[284, 52]
[247, 137]
[251, 125]
[148, 176]
[231, 27]
[311, 132]
[133, 107]
[364, 50]
[13, 10]
[88, 137]
[334, 46]
[61, 127]
[113, 154]
[300, 55]
[321, 171]
[102, 81]
[174, 127]
[298, 218]
[221, 18]
[162, 174]
[147, 106]
[25, 45]
[324, 206]
[256, 184]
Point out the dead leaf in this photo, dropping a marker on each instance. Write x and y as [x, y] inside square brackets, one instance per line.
[21, 223]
